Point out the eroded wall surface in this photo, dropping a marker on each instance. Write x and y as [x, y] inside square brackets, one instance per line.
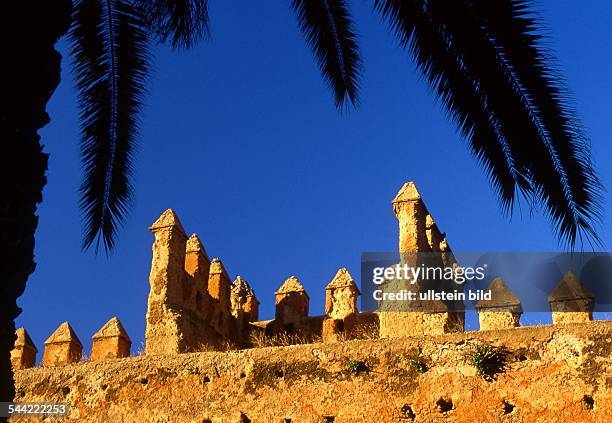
[554, 373]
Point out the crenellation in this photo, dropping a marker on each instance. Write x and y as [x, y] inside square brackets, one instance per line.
[548, 372]
[23, 355]
[418, 233]
[166, 278]
[243, 300]
[238, 295]
[502, 311]
[219, 283]
[165, 325]
[340, 307]
[292, 303]
[194, 306]
[251, 307]
[412, 215]
[221, 313]
[571, 301]
[197, 266]
[219, 289]
[111, 341]
[190, 304]
[244, 307]
[182, 313]
[62, 347]
[434, 236]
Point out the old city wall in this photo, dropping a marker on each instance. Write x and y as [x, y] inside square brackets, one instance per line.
[209, 358]
[551, 373]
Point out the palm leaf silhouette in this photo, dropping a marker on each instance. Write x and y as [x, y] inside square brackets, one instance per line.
[483, 60]
[109, 48]
[328, 28]
[182, 23]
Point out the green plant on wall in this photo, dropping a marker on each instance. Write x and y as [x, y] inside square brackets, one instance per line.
[487, 360]
[418, 364]
[356, 366]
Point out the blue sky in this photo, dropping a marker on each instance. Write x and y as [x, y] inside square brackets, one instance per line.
[240, 136]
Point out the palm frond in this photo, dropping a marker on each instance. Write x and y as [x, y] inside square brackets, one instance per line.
[471, 49]
[109, 49]
[465, 104]
[328, 28]
[513, 28]
[182, 23]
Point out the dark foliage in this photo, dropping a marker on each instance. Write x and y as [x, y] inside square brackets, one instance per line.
[418, 364]
[357, 366]
[182, 23]
[484, 60]
[328, 28]
[109, 48]
[488, 361]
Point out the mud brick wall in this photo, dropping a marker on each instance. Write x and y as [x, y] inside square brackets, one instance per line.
[551, 373]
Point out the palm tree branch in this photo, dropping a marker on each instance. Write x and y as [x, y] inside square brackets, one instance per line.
[459, 92]
[513, 28]
[532, 142]
[328, 28]
[109, 47]
[535, 140]
[181, 22]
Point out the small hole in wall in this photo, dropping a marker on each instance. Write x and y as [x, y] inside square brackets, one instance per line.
[588, 401]
[144, 381]
[244, 418]
[65, 390]
[329, 419]
[522, 357]
[22, 393]
[407, 413]
[242, 375]
[206, 379]
[104, 386]
[444, 405]
[287, 420]
[207, 421]
[508, 407]
[279, 373]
